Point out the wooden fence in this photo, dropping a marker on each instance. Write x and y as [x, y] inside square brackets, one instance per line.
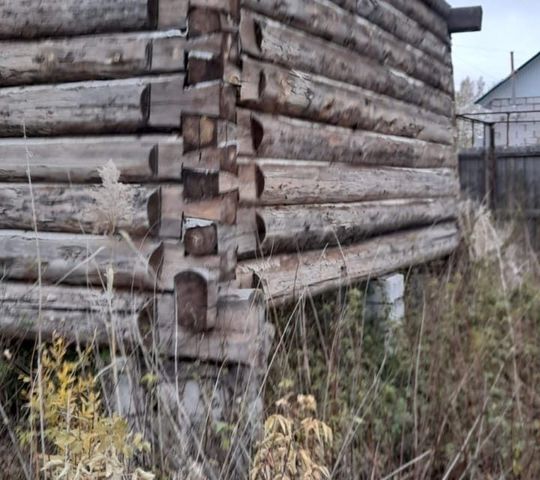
[516, 188]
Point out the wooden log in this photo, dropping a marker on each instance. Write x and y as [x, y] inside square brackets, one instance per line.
[468, 19]
[425, 16]
[202, 67]
[395, 22]
[91, 57]
[325, 19]
[170, 14]
[86, 315]
[201, 131]
[441, 7]
[79, 159]
[297, 182]
[228, 6]
[134, 209]
[79, 259]
[196, 292]
[204, 21]
[175, 209]
[200, 237]
[82, 315]
[272, 41]
[241, 333]
[303, 227]
[287, 277]
[274, 136]
[176, 261]
[273, 89]
[36, 18]
[126, 105]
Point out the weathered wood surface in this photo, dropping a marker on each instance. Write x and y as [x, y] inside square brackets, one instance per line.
[240, 335]
[202, 131]
[81, 159]
[91, 57]
[126, 105]
[395, 22]
[302, 227]
[297, 182]
[89, 315]
[327, 20]
[38, 18]
[441, 7]
[79, 314]
[174, 261]
[421, 13]
[79, 259]
[291, 92]
[200, 237]
[274, 136]
[196, 292]
[287, 277]
[176, 210]
[272, 41]
[134, 209]
[467, 19]
[86, 259]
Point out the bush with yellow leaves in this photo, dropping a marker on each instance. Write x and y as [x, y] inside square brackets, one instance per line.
[296, 445]
[68, 428]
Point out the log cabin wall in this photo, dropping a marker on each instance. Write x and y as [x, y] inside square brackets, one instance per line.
[118, 172]
[280, 145]
[345, 122]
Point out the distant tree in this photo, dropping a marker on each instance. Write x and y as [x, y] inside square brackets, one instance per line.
[468, 92]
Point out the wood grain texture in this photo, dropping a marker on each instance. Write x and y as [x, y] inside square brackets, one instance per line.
[91, 107]
[91, 57]
[287, 277]
[79, 259]
[270, 40]
[80, 208]
[327, 20]
[78, 314]
[424, 15]
[302, 227]
[394, 21]
[38, 18]
[122, 106]
[273, 89]
[196, 291]
[297, 182]
[241, 333]
[274, 136]
[147, 158]
[88, 315]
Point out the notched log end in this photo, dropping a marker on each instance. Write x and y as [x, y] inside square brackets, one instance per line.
[155, 262]
[153, 210]
[261, 229]
[257, 133]
[195, 303]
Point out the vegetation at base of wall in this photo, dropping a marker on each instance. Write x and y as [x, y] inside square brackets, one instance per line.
[452, 392]
[67, 429]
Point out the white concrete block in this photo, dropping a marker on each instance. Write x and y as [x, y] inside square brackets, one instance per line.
[386, 289]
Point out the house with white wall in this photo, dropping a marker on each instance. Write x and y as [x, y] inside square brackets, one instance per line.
[516, 103]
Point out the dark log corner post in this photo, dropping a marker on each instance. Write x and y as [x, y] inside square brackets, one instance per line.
[465, 19]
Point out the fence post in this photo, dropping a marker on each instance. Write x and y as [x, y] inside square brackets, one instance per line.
[490, 163]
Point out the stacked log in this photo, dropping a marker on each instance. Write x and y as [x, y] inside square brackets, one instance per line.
[248, 130]
[347, 163]
[118, 176]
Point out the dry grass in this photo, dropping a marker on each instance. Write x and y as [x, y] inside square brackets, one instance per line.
[457, 395]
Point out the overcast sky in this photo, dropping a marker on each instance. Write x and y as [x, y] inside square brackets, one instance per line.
[507, 25]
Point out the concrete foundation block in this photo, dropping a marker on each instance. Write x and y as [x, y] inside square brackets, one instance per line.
[386, 290]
